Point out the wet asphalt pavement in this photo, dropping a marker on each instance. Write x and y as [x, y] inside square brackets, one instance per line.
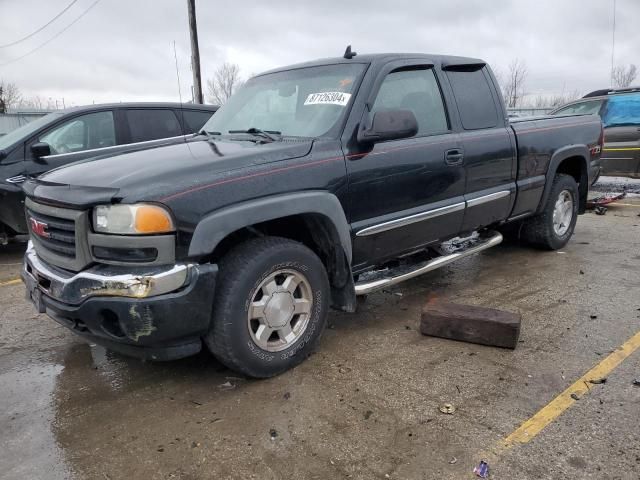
[365, 405]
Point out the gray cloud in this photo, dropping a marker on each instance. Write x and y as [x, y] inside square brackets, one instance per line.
[122, 50]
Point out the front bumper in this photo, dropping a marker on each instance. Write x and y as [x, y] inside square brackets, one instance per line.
[157, 313]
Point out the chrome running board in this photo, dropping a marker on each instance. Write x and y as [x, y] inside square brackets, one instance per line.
[366, 287]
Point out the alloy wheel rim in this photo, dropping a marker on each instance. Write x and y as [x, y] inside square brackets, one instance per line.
[563, 213]
[280, 310]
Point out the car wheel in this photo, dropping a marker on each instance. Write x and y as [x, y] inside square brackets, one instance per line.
[270, 307]
[553, 228]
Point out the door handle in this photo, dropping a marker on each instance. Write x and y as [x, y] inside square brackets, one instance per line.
[453, 156]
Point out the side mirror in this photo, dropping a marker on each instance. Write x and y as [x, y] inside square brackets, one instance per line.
[389, 125]
[40, 149]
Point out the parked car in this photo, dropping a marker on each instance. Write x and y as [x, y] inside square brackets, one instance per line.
[79, 133]
[620, 113]
[311, 185]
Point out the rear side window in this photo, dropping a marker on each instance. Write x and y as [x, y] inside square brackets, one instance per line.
[193, 120]
[418, 91]
[622, 110]
[583, 108]
[151, 124]
[476, 105]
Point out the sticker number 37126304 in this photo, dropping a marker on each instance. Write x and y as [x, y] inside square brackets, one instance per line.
[328, 98]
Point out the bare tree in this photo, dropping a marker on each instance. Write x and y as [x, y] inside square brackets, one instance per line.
[226, 79]
[623, 76]
[10, 96]
[554, 100]
[36, 103]
[513, 84]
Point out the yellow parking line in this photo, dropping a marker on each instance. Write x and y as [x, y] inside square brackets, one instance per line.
[10, 282]
[562, 402]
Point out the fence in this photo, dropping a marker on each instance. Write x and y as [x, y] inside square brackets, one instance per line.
[12, 120]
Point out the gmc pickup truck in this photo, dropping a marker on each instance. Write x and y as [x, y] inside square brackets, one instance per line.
[313, 184]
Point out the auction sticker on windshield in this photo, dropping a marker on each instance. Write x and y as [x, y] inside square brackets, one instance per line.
[328, 98]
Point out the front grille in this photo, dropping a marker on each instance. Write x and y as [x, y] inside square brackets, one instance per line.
[59, 234]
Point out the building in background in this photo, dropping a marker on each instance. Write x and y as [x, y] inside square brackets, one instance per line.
[18, 117]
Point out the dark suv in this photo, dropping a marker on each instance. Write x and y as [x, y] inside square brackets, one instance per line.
[79, 133]
[620, 113]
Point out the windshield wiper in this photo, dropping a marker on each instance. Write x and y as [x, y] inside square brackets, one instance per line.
[210, 133]
[259, 133]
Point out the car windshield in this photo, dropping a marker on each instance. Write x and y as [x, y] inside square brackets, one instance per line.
[583, 108]
[25, 131]
[305, 102]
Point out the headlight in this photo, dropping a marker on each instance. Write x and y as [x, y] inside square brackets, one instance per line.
[139, 219]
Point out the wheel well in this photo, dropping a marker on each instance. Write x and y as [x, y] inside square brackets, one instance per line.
[577, 168]
[313, 230]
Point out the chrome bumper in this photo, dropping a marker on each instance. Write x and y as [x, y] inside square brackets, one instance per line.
[102, 280]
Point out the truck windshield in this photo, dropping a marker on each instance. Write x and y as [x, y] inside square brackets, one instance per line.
[306, 102]
[24, 132]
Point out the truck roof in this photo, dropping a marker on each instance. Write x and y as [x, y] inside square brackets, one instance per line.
[444, 60]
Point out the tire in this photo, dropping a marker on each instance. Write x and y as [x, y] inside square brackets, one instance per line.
[541, 230]
[246, 289]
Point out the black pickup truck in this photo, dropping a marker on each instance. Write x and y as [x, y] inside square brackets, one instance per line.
[315, 183]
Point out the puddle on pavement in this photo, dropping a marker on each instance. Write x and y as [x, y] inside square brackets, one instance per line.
[28, 448]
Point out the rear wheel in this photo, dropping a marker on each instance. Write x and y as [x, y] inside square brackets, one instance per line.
[554, 226]
[271, 306]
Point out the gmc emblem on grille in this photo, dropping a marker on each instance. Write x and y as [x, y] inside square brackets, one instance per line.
[39, 228]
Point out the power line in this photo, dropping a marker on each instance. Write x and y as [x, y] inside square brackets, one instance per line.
[41, 28]
[54, 37]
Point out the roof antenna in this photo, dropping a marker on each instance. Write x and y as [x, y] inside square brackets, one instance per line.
[182, 127]
[348, 54]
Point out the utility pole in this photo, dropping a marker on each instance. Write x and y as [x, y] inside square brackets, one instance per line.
[195, 52]
[613, 41]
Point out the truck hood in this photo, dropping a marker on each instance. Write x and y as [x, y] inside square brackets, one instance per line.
[158, 171]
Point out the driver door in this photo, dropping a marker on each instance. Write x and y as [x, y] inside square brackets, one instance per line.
[407, 193]
[72, 140]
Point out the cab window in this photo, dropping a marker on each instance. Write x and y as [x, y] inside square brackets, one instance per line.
[476, 104]
[416, 90]
[85, 132]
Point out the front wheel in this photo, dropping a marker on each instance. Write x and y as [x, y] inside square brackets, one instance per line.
[554, 226]
[270, 308]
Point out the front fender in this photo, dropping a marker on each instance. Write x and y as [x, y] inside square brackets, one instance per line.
[217, 225]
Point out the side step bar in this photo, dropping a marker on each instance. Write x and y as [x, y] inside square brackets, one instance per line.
[368, 287]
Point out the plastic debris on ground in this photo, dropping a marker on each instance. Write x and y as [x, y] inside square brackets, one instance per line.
[447, 408]
[482, 470]
[600, 210]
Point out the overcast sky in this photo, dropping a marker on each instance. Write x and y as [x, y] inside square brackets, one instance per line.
[123, 49]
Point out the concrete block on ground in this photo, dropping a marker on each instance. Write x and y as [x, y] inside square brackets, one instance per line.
[466, 323]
